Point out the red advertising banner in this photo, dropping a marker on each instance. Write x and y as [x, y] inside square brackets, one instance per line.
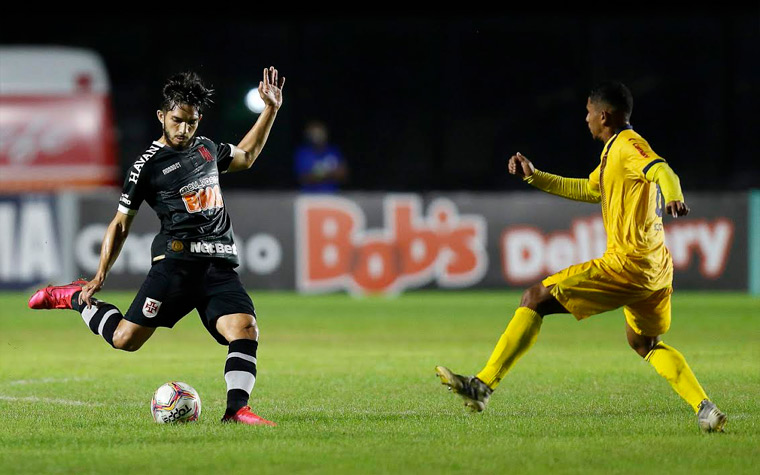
[48, 143]
[56, 126]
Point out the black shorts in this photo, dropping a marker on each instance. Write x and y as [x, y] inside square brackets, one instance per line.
[174, 288]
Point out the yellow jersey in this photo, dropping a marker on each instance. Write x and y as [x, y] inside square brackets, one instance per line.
[626, 185]
[632, 208]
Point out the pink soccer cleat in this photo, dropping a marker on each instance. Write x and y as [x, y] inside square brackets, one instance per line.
[245, 416]
[55, 296]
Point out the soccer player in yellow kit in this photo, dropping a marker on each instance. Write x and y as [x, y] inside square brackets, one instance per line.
[636, 271]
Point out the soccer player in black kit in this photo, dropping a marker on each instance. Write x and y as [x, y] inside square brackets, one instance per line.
[194, 254]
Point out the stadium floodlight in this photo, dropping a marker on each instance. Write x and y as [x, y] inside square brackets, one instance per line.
[254, 102]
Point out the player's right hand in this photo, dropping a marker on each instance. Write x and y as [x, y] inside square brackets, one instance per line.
[88, 289]
[520, 165]
[677, 208]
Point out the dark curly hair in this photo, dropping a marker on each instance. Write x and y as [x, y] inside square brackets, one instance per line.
[614, 94]
[186, 88]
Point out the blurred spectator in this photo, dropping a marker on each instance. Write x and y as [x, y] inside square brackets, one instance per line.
[319, 166]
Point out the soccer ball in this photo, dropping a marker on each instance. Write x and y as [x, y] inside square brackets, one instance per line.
[175, 402]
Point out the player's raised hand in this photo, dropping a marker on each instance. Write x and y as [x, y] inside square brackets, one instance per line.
[520, 165]
[677, 208]
[88, 289]
[270, 89]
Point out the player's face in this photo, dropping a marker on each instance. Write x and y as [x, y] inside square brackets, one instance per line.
[594, 118]
[179, 125]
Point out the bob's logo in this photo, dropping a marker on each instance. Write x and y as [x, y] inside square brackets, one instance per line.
[336, 252]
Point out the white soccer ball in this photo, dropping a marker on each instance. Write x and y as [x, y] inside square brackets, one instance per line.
[175, 402]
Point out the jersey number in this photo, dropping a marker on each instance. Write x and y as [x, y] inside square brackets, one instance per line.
[659, 205]
[205, 198]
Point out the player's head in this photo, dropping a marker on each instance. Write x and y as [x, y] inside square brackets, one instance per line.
[316, 132]
[609, 106]
[184, 99]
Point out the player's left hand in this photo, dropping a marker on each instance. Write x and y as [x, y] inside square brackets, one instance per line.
[88, 289]
[677, 208]
[269, 89]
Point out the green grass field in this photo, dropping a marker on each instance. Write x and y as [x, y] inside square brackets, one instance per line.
[351, 384]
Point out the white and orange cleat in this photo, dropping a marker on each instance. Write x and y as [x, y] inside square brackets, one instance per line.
[245, 416]
[55, 296]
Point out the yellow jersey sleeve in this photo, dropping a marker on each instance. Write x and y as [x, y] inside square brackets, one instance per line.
[593, 180]
[644, 164]
[670, 185]
[578, 189]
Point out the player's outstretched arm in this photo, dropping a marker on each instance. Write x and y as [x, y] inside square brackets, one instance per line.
[270, 90]
[578, 189]
[113, 241]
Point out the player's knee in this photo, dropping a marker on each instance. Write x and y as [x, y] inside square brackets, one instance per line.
[642, 344]
[124, 341]
[534, 296]
[528, 298]
[238, 326]
[250, 331]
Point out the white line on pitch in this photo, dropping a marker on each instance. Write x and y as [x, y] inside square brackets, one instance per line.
[46, 381]
[67, 402]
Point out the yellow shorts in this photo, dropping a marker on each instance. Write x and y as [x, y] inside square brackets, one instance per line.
[595, 287]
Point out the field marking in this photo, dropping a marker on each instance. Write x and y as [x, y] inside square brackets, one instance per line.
[68, 402]
[46, 381]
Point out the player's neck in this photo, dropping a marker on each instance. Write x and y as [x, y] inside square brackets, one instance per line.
[608, 132]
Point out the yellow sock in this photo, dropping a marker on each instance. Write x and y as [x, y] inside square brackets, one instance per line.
[671, 365]
[519, 336]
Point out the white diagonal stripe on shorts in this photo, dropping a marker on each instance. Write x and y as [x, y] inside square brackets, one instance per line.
[240, 380]
[106, 317]
[242, 356]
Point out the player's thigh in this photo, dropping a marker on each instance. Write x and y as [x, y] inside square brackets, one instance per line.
[590, 288]
[225, 296]
[168, 293]
[650, 316]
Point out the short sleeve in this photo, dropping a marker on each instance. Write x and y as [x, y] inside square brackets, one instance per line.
[133, 192]
[225, 152]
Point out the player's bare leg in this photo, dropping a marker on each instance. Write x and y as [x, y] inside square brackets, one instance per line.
[100, 317]
[516, 340]
[242, 333]
[130, 336]
[672, 366]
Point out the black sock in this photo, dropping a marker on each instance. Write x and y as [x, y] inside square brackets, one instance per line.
[240, 373]
[102, 318]
[75, 301]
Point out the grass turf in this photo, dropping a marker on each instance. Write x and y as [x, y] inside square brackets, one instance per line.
[351, 384]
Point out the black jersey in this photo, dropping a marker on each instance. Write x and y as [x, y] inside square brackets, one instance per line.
[182, 187]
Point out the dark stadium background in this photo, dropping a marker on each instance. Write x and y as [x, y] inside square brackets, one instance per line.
[439, 103]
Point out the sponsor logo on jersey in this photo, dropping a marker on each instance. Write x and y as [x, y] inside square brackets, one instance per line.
[177, 246]
[203, 199]
[125, 199]
[170, 169]
[641, 150]
[202, 194]
[134, 174]
[209, 248]
[150, 308]
[205, 154]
